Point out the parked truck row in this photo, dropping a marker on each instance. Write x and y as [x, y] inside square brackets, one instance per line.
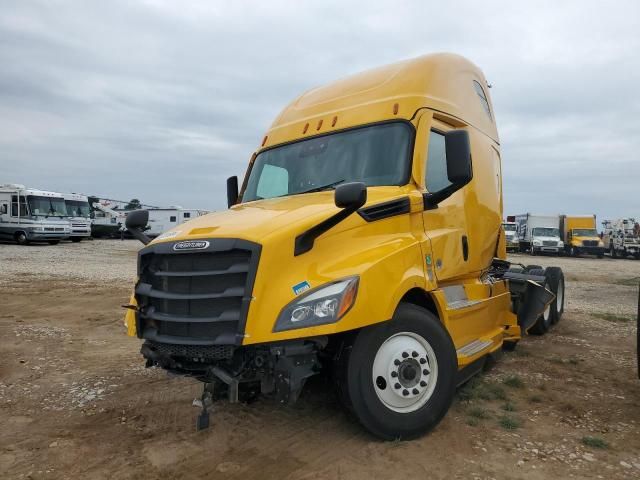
[571, 235]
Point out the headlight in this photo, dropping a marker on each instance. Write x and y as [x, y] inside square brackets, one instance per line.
[600, 243]
[561, 244]
[537, 243]
[323, 305]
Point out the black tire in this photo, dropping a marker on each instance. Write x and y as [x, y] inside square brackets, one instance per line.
[573, 252]
[381, 420]
[21, 238]
[543, 323]
[53, 242]
[613, 252]
[556, 280]
[76, 239]
[532, 252]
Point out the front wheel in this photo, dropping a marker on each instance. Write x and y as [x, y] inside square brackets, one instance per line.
[21, 238]
[401, 374]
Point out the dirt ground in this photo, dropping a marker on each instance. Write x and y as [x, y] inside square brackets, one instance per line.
[77, 402]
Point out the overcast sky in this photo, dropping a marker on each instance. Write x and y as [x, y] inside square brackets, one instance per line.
[162, 100]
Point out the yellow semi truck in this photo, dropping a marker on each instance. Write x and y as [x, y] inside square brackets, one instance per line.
[365, 243]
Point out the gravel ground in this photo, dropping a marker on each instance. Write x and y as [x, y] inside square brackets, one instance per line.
[77, 402]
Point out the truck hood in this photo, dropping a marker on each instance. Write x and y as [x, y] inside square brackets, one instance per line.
[258, 221]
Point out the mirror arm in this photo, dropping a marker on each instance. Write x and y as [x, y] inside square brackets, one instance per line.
[139, 235]
[304, 241]
[431, 200]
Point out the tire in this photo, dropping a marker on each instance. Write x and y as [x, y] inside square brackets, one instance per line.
[543, 323]
[614, 254]
[21, 238]
[386, 410]
[556, 280]
[76, 239]
[532, 252]
[53, 242]
[573, 252]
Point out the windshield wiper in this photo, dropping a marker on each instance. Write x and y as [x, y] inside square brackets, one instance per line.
[322, 187]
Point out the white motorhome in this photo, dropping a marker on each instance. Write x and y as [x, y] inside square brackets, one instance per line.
[622, 237]
[30, 215]
[162, 219]
[78, 212]
[539, 233]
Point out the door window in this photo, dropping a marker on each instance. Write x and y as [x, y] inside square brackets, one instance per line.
[436, 173]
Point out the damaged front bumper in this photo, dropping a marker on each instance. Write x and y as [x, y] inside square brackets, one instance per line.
[240, 373]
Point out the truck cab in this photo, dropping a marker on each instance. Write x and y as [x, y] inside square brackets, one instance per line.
[364, 243]
[511, 236]
[546, 240]
[29, 215]
[78, 213]
[580, 235]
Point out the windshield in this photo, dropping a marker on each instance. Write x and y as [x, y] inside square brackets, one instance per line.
[545, 232]
[375, 155]
[509, 227]
[76, 208]
[47, 206]
[585, 232]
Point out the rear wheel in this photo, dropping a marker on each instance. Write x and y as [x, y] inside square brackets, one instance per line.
[556, 280]
[401, 374]
[613, 252]
[21, 238]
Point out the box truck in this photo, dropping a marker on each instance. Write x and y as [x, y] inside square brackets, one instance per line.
[539, 233]
[365, 244]
[580, 235]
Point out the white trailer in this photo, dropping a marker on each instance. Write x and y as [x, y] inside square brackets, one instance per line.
[621, 237]
[78, 213]
[30, 215]
[539, 233]
[162, 219]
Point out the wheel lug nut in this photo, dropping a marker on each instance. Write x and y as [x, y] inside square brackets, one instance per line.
[394, 374]
[405, 355]
[405, 392]
[415, 391]
[423, 383]
[423, 361]
[414, 354]
[396, 362]
[397, 386]
[425, 372]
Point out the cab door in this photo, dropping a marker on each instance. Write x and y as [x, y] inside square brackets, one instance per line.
[445, 225]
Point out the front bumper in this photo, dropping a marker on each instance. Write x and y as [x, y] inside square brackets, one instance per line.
[546, 249]
[46, 236]
[589, 250]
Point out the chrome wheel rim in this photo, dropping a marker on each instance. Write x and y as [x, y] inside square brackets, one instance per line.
[405, 372]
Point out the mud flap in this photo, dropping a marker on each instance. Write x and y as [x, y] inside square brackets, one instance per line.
[535, 300]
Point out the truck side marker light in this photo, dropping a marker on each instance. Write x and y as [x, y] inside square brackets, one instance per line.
[319, 125]
[335, 120]
[306, 127]
[395, 108]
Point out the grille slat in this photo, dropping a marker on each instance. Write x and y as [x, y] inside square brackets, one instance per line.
[196, 297]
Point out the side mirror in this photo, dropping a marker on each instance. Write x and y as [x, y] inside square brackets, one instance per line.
[351, 195]
[232, 191]
[136, 221]
[458, 149]
[459, 167]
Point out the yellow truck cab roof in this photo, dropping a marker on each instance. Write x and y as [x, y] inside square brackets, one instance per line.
[446, 83]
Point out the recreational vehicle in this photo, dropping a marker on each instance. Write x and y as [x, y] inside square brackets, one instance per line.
[29, 215]
[78, 212]
[163, 219]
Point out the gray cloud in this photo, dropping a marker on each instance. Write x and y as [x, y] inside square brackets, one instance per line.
[163, 100]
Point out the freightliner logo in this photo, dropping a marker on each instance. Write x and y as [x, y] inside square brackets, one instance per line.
[191, 245]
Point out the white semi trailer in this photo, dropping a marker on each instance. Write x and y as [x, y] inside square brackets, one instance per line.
[162, 219]
[78, 213]
[539, 233]
[30, 215]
